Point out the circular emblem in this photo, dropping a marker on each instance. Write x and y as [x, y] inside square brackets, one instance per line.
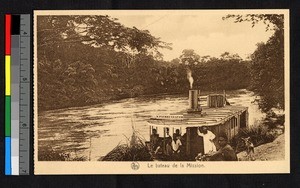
[135, 165]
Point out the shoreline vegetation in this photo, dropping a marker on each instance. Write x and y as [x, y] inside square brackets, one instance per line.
[202, 93]
[262, 132]
[134, 150]
[153, 85]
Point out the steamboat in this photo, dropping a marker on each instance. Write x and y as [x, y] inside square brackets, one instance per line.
[218, 116]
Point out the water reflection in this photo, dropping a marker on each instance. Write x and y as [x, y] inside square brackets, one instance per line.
[93, 131]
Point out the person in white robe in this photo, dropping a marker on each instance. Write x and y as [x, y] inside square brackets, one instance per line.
[208, 138]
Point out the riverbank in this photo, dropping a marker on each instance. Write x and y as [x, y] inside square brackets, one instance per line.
[274, 151]
[110, 100]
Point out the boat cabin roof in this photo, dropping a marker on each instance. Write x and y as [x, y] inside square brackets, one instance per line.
[208, 117]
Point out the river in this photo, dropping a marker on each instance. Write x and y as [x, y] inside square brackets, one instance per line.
[92, 131]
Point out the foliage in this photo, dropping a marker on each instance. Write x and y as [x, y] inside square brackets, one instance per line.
[272, 21]
[78, 54]
[134, 150]
[259, 134]
[267, 72]
[84, 60]
[216, 73]
[228, 56]
[267, 62]
[189, 57]
[274, 120]
[96, 31]
[49, 154]
[65, 83]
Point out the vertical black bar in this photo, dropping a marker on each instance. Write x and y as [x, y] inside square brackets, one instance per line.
[15, 24]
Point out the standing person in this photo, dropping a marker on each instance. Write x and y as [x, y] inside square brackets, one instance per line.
[169, 150]
[208, 138]
[225, 153]
[167, 140]
[154, 140]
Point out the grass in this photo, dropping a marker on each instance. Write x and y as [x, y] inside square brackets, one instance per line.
[49, 154]
[259, 133]
[134, 150]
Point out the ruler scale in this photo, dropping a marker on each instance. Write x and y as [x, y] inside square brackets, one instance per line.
[24, 103]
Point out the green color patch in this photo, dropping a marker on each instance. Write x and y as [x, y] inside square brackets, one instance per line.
[7, 115]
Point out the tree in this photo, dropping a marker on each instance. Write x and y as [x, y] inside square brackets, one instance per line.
[189, 57]
[85, 59]
[267, 62]
[175, 61]
[96, 31]
[205, 58]
[267, 72]
[272, 21]
[228, 56]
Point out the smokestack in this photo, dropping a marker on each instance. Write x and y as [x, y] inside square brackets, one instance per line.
[190, 78]
[194, 105]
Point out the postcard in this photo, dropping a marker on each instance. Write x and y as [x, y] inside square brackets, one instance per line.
[161, 91]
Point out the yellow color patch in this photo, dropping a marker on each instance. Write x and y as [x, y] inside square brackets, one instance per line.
[7, 75]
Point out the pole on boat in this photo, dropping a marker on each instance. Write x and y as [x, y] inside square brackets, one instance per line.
[90, 153]
[224, 98]
[164, 140]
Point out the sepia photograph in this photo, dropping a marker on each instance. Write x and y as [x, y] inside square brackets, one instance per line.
[161, 91]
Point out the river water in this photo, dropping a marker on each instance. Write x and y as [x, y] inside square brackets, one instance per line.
[92, 131]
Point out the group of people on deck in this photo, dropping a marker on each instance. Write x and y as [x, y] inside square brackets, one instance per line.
[173, 145]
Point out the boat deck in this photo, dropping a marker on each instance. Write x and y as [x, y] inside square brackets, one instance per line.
[208, 117]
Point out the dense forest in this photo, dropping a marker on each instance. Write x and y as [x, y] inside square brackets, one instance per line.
[267, 62]
[85, 60]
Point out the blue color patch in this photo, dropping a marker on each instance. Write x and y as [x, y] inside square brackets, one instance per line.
[7, 155]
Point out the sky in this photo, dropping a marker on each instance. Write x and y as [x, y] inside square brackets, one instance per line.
[204, 32]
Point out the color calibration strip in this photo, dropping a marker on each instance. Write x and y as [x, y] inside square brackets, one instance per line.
[17, 94]
[8, 168]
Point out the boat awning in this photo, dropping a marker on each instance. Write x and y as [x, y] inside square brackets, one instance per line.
[208, 117]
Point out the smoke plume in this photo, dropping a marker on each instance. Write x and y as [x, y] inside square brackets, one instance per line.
[190, 78]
